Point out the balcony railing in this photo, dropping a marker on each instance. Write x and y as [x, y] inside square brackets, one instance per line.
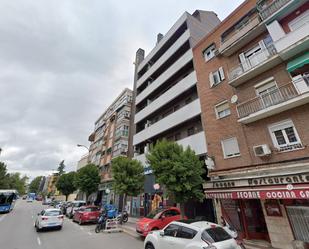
[254, 61]
[277, 96]
[268, 7]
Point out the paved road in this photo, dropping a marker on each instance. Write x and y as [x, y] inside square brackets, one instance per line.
[17, 232]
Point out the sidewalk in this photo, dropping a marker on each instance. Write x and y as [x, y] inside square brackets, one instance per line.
[129, 227]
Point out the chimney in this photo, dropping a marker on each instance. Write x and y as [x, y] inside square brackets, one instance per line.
[159, 37]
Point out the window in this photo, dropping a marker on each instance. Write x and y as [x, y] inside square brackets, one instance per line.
[284, 136]
[299, 21]
[216, 77]
[215, 234]
[188, 100]
[171, 230]
[222, 110]
[209, 52]
[177, 136]
[186, 233]
[230, 147]
[170, 213]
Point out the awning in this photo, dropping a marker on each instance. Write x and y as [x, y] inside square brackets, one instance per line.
[298, 62]
[288, 191]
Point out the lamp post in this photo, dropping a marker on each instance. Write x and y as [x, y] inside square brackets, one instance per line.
[81, 145]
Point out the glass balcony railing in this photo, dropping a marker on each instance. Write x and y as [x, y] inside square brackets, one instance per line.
[268, 7]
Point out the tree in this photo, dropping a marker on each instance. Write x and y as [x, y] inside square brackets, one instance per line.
[128, 176]
[15, 181]
[66, 184]
[179, 170]
[35, 184]
[87, 179]
[3, 176]
[61, 168]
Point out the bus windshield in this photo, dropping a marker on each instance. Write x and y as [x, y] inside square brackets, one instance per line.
[7, 200]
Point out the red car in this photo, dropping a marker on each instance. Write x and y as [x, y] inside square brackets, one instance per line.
[86, 214]
[156, 220]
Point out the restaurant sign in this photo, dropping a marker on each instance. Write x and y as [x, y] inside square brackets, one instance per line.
[261, 181]
[283, 193]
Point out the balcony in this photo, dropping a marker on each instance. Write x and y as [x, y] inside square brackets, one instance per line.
[246, 31]
[258, 63]
[281, 99]
[180, 63]
[185, 113]
[182, 86]
[270, 10]
[293, 43]
[181, 40]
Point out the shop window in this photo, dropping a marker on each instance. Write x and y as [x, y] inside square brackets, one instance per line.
[222, 110]
[216, 77]
[209, 52]
[230, 147]
[284, 136]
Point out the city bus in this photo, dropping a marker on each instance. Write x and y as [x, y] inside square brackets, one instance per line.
[7, 200]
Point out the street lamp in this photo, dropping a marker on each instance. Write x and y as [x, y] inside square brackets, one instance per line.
[80, 145]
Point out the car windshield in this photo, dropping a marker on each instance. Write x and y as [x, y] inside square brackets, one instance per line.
[52, 213]
[78, 204]
[154, 214]
[215, 234]
[90, 209]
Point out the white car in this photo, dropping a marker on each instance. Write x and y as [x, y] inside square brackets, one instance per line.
[197, 235]
[73, 207]
[49, 218]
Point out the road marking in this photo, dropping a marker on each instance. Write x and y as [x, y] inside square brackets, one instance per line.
[39, 241]
[89, 233]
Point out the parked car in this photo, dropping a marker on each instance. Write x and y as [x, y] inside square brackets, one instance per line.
[49, 218]
[24, 197]
[39, 198]
[64, 207]
[156, 220]
[46, 201]
[196, 235]
[74, 206]
[86, 214]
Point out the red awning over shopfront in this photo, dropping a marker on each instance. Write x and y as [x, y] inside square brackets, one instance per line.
[270, 192]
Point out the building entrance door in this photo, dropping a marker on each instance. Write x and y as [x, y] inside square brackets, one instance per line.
[253, 220]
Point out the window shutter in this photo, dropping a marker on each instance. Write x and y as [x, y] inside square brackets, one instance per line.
[244, 62]
[264, 52]
[221, 72]
[211, 79]
[230, 147]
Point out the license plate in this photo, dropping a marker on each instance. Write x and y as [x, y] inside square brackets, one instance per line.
[52, 224]
[92, 217]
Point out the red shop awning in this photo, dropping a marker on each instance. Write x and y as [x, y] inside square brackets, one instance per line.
[270, 192]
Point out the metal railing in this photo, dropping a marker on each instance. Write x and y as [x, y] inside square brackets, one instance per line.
[278, 95]
[252, 62]
[267, 7]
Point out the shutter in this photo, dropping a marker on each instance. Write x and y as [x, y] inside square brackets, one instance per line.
[244, 62]
[221, 72]
[264, 52]
[230, 147]
[211, 79]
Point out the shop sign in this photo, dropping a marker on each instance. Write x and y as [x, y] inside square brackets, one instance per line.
[261, 181]
[261, 194]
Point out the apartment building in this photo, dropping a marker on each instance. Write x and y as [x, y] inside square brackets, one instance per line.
[253, 85]
[109, 140]
[83, 161]
[165, 94]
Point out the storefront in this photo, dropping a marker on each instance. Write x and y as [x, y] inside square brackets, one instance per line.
[273, 209]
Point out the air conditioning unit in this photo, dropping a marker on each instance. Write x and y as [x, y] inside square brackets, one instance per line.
[261, 150]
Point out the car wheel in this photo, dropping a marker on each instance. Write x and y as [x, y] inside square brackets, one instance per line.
[37, 228]
[149, 246]
[60, 227]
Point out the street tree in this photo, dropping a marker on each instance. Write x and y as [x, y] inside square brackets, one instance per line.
[61, 168]
[87, 179]
[128, 176]
[3, 176]
[178, 169]
[15, 181]
[35, 184]
[66, 184]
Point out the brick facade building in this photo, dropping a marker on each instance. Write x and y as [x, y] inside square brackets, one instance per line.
[253, 86]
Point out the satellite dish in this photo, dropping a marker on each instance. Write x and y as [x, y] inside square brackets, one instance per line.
[234, 99]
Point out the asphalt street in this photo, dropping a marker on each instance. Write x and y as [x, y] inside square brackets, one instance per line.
[17, 232]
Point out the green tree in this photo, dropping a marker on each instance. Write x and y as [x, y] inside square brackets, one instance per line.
[3, 176]
[15, 181]
[87, 179]
[179, 170]
[35, 184]
[128, 176]
[61, 168]
[66, 184]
